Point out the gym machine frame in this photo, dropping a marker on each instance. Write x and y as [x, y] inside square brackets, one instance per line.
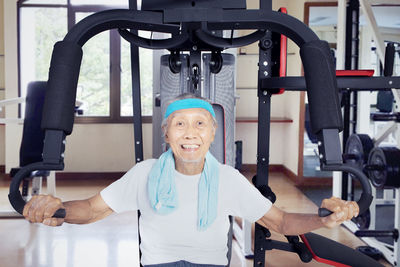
[193, 27]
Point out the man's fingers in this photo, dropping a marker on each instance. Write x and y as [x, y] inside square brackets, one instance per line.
[339, 216]
[51, 208]
[356, 208]
[39, 205]
[332, 204]
[342, 211]
[33, 208]
[335, 204]
[43, 207]
[346, 212]
[352, 210]
[53, 221]
[28, 206]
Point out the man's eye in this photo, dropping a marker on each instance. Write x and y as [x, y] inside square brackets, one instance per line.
[179, 123]
[200, 123]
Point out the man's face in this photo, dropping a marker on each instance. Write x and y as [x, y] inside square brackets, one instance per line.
[190, 133]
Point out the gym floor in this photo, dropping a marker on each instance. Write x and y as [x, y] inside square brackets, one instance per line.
[113, 241]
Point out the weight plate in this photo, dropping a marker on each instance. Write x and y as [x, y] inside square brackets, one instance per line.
[377, 177]
[357, 149]
[388, 158]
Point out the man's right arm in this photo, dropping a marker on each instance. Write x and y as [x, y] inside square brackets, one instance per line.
[40, 209]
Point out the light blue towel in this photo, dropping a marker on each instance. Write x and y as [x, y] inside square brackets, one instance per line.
[162, 190]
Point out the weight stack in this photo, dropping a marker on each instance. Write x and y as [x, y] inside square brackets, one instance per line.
[218, 88]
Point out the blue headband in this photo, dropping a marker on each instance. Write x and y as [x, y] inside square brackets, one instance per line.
[188, 103]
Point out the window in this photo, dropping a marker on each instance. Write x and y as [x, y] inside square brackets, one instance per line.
[104, 85]
[94, 82]
[146, 79]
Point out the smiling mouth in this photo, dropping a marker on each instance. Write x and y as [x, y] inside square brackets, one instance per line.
[190, 147]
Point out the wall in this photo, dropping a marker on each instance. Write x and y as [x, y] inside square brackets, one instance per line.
[108, 147]
[12, 131]
[104, 147]
[280, 105]
[2, 85]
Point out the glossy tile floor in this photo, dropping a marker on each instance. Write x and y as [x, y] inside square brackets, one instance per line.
[113, 241]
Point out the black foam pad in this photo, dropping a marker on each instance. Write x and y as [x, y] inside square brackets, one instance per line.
[59, 106]
[322, 91]
[330, 252]
[32, 135]
[384, 101]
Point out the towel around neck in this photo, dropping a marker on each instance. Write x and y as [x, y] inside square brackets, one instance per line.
[162, 189]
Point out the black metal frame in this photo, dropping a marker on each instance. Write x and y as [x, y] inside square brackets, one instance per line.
[345, 83]
[192, 30]
[349, 98]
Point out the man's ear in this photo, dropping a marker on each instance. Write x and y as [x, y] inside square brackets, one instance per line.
[214, 132]
[164, 129]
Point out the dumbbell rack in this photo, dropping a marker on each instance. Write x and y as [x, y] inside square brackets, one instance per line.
[390, 252]
[391, 196]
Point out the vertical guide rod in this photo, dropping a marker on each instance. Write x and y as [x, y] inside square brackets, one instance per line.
[137, 106]
[136, 100]
[350, 97]
[263, 137]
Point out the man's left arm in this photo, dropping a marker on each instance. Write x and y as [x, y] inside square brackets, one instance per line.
[296, 223]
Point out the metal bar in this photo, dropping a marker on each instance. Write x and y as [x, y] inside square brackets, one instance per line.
[11, 120]
[396, 243]
[115, 74]
[353, 83]
[372, 209]
[351, 63]
[346, 133]
[389, 128]
[136, 100]
[263, 139]
[12, 101]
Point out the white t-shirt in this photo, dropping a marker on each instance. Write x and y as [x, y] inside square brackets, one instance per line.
[174, 237]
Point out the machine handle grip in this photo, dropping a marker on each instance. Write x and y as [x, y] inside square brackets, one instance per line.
[322, 212]
[14, 196]
[366, 196]
[60, 213]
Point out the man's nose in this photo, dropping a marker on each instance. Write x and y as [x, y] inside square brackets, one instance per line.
[190, 132]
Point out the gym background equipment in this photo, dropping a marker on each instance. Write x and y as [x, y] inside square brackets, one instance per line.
[324, 105]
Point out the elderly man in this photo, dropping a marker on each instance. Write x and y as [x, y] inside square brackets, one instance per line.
[186, 196]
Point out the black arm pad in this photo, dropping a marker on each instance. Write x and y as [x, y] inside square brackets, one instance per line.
[322, 91]
[59, 105]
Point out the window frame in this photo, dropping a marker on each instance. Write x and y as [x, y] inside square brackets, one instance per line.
[115, 61]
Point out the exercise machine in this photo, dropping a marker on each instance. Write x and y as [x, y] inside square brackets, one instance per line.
[195, 27]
